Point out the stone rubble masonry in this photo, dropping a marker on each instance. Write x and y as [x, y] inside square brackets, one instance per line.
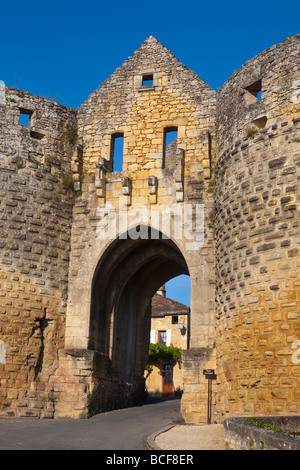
[257, 236]
[236, 153]
[35, 231]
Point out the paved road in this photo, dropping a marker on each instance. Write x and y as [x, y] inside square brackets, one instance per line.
[117, 430]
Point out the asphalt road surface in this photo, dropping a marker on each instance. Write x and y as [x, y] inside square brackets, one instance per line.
[126, 429]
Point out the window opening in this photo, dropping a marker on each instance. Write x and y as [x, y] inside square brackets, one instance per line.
[162, 337]
[260, 123]
[117, 149]
[25, 116]
[147, 80]
[170, 142]
[36, 135]
[253, 92]
[174, 319]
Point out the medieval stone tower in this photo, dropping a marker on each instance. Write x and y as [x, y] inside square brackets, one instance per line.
[76, 281]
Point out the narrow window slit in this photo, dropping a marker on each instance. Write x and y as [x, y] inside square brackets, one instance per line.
[170, 143]
[42, 324]
[117, 151]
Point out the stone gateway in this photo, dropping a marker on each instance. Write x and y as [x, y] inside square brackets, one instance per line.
[85, 197]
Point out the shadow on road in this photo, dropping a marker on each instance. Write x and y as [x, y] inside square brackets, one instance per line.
[126, 429]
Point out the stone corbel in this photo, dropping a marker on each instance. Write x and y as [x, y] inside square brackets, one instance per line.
[77, 185]
[76, 167]
[104, 165]
[179, 175]
[206, 150]
[127, 189]
[102, 168]
[153, 185]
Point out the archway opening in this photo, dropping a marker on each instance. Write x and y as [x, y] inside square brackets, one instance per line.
[128, 275]
[169, 337]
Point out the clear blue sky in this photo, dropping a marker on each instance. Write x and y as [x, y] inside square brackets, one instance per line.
[179, 288]
[65, 49]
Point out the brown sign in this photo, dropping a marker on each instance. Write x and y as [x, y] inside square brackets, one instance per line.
[209, 374]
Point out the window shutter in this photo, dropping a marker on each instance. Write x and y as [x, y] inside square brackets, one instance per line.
[152, 336]
[169, 337]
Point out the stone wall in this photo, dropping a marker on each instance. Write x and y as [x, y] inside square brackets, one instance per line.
[267, 433]
[36, 200]
[257, 235]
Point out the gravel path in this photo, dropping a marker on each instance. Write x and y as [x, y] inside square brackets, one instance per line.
[191, 437]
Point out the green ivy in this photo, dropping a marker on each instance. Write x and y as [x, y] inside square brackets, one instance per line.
[160, 355]
[261, 423]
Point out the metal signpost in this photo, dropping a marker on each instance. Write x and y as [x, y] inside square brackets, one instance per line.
[210, 376]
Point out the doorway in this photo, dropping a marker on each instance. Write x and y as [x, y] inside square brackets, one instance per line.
[168, 380]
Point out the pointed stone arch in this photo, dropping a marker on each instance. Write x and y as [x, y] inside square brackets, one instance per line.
[126, 278]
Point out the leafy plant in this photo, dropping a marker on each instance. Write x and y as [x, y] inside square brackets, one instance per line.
[56, 196]
[211, 187]
[67, 181]
[72, 135]
[250, 131]
[261, 423]
[178, 392]
[160, 355]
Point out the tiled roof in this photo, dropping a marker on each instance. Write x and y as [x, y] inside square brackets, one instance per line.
[162, 306]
